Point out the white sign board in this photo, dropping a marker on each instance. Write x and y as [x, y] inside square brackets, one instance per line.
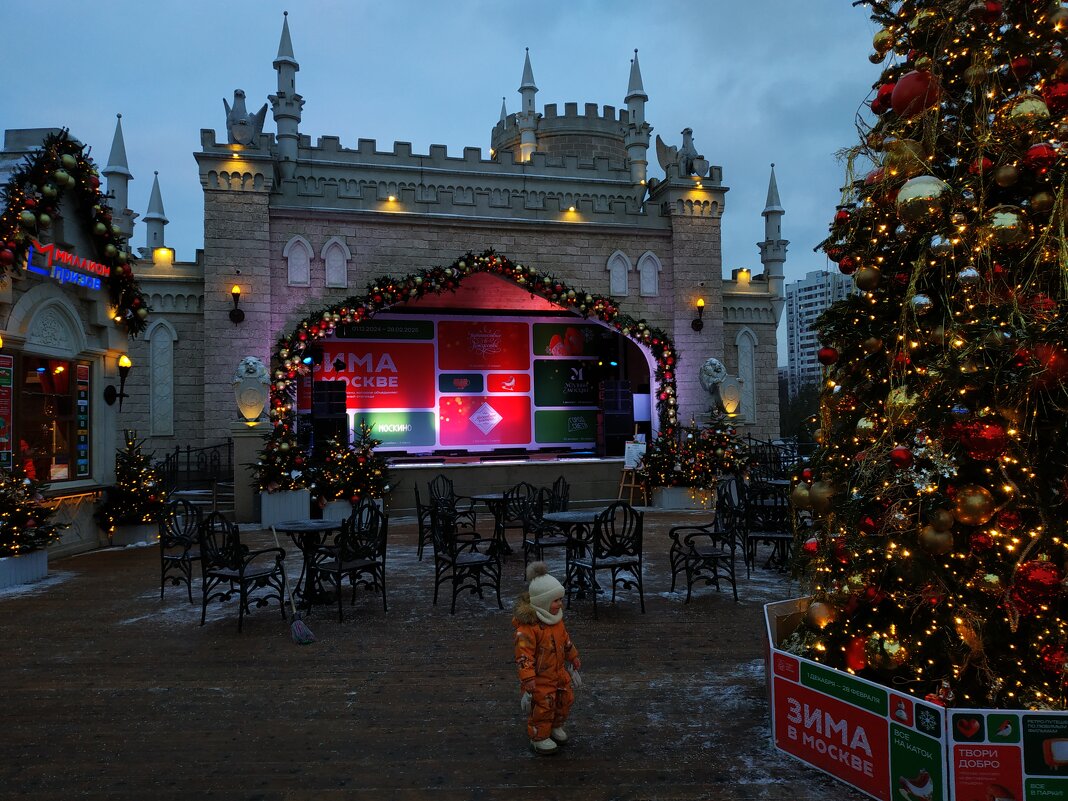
[633, 453]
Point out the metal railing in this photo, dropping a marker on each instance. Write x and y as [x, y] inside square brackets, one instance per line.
[196, 468]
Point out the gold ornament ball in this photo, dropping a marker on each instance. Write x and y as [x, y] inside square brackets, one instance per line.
[1006, 175]
[799, 496]
[923, 64]
[1028, 110]
[865, 428]
[922, 20]
[921, 199]
[867, 278]
[882, 41]
[904, 157]
[885, 653]
[820, 614]
[1007, 226]
[817, 435]
[974, 505]
[820, 495]
[941, 519]
[872, 345]
[900, 406]
[1042, 201]
[935, 541]
[976, 74]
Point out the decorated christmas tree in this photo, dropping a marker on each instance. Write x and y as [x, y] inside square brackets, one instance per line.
[24, 520]
[696, 457]
[940, 489]
[352, 472]
[137, 496]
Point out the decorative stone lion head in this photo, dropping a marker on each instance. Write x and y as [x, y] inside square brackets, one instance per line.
[251, 367]
[712, 374]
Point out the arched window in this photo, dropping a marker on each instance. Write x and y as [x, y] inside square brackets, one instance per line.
[649, 268]
[161, 337]
[618, 275]
[746, 343]
[298, 253]
[335, 255]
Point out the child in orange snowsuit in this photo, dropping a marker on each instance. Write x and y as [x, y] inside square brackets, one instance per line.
[543, 650]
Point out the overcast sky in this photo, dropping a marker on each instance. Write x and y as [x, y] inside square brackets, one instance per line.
[759, 81]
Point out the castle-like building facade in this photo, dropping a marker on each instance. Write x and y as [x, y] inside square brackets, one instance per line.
[301, 228]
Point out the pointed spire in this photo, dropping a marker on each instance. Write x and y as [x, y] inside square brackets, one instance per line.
[635, 88]
[528, 75]
[117, 164]
[285, 45]
[774, 205]
[155, 203]
[504, 110]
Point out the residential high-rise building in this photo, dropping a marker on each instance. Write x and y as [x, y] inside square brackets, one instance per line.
[806, 300]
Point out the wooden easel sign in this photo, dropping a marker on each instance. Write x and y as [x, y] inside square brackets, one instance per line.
[633, 453]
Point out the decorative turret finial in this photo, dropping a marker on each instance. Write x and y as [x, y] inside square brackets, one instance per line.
[527, 118]
[773, 204]
[155, 219]
[119, 176]
[117, 164]
[635, 90]
[286, 104]
[504, 110]
[285, 44]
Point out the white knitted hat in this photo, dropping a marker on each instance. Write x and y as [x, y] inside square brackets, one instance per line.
[544, 589]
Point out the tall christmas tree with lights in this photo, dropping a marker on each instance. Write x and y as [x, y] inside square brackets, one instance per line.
[25, 520]
[940, 489]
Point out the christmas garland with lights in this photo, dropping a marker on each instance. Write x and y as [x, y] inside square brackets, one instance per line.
[283, 466]
[31, 200]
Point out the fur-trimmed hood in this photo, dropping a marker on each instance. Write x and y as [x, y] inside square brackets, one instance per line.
[525, 613]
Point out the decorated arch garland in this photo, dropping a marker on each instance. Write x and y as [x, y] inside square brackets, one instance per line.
[281, 464]
[31, 201]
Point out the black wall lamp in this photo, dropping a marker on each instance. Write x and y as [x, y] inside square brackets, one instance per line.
[236, 314]
[110, 393]
[699, 321]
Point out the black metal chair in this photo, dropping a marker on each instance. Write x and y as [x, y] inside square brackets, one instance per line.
[512, 513]
[707, 553]
[227, 567]
[441, 490]
[767, 518]
[422, 519]
[459, 560]
[178, 546]
[358, 551]
[561, 495]
[616, 546]
[538, 533]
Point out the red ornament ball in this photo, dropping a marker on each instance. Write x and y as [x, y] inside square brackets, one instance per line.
[882, 101]
[806, 475]
[1009, 519]
[1056, 97]
[1040, 157]
[810, 547]
[901, 457]
[856, 659]
[1022, 66]
[1053, 360]
[841, 216]
[984, 441]
[827, 355]
[1052, 658]
[980, 165]
[869, 525]
[848, 265]
[1037, 582]
[980, 541]
[914, 93]
[7, 257]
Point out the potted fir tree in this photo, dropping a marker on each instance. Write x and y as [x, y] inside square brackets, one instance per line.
[131, 509]
[281, 479]
[25, 529]
[683, 473]
[349, 473]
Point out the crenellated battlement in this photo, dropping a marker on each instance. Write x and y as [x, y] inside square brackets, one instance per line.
[595, 131]
[364, 178]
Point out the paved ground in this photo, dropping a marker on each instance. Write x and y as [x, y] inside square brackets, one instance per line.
[107, 692]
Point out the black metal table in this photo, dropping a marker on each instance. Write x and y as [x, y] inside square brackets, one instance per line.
[497, 504]
[308, 535]
[578, 525]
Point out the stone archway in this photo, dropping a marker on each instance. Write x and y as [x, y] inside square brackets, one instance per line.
[281, 463]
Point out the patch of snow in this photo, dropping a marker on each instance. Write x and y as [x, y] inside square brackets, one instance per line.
[51, 580]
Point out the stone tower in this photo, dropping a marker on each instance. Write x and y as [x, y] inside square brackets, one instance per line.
[286, 104]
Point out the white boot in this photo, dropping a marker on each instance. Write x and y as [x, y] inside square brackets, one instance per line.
[544, 747]
[559, 736]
